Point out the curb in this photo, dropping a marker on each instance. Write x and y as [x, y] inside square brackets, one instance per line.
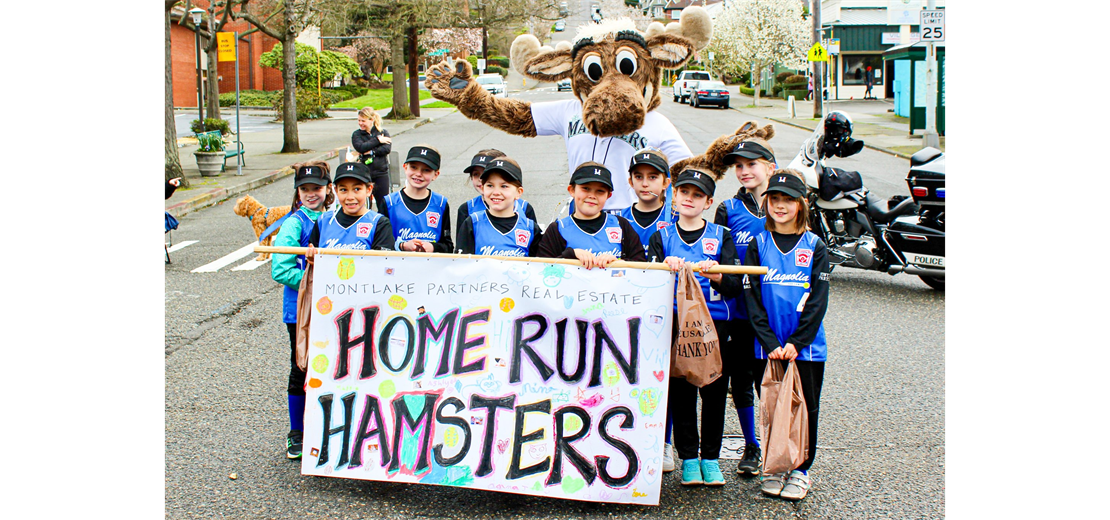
[219, 195]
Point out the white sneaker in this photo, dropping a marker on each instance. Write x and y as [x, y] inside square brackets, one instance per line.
[668, 459]
[772, 485]
[797, 486]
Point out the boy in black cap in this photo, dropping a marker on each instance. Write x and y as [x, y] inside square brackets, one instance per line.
[500, 229]
[354, 226]
[478, 164]
[649, 177]
[421, 218]
[592, 236]
[693, 239]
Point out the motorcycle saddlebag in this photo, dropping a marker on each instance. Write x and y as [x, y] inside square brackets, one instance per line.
[926, 180]
[834, 183]
[919, 245]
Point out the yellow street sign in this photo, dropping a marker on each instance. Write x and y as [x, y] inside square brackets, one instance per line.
[225, 46]
[817, 53]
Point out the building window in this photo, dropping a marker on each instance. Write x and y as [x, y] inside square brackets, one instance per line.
[855, 68]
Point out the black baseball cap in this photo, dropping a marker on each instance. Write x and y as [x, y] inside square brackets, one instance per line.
[703, 180]
[589, 173]
[353, 170]
[503, 168]
[786, 183]
[478, 161]
[423, 154]
[649, 159]
[310, 175]
[749, 150]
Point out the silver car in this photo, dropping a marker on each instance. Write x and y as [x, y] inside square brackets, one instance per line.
[493, 83]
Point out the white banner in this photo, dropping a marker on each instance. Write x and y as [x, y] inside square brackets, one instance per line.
[521, 377]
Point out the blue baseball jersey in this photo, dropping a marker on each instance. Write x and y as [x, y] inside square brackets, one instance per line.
[359, 236]
[666, 218]
[489, 241]
[426, 225]
[289, 297]
[606, 240]
[744, 226]
[786, 288]
[708, 247]
[478, 204]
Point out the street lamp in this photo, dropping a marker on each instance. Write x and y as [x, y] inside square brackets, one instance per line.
[197, 14]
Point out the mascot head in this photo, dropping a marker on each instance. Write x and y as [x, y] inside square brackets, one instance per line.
[614, 69]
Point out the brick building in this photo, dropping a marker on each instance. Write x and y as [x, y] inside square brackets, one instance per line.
[252, 76]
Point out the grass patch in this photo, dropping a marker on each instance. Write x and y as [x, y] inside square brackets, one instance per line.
[377, 98]
[438, 104]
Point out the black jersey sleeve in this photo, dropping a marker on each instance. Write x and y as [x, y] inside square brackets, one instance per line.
[383, 235]
[552, 244]
[537, 235]
[655, 251]
[530, 212]
[753, 296]
[721, 216]
[444, 244]
[464, 240]
[632, 249]
[730, 285]
[460, 216]
[314, 235]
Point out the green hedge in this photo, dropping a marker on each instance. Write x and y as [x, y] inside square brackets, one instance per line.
[751, 91]
[309, 105]
[781, 77]
[249, 98]
[804, 85]
[797, 93]
[494, 69]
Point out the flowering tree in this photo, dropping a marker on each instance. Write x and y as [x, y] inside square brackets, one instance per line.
[371, 54]
[454, 40]
[759, 34]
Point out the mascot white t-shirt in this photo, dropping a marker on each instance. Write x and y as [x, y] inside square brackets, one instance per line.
[565, 118]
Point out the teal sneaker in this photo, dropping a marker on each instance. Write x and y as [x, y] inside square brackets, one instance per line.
[711, 472]
[691, 473]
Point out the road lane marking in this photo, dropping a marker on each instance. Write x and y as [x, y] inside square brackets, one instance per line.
[181, 245]
[214, 266]
[251, 265]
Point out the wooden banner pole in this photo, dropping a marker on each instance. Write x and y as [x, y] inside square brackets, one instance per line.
[724, 269]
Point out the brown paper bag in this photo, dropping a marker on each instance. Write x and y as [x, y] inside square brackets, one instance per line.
[783, 417]
[304, 315]
[696, 353]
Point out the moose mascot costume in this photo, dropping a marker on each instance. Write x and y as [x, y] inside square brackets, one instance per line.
[615, 74]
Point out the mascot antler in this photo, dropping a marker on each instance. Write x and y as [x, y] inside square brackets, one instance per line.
[713, 159]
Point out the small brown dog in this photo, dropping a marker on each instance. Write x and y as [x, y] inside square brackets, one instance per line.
[261, 217]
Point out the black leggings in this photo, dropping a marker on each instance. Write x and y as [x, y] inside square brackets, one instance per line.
[738, 357]
[381, 189]
[813, 376]
[682, 403]
[296, 375]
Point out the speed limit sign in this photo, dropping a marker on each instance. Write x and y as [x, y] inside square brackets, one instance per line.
[932, 25]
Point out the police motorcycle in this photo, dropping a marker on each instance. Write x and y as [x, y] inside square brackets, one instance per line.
[899, 235]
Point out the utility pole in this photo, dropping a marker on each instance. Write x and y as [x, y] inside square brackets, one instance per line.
[930, 137]
[818, 77]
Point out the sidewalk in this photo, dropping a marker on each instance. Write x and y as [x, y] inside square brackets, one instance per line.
[263, 162]
[879, 129]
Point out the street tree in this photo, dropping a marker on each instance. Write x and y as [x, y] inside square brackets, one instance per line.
[173, 159]
[283, 23]
[217, 14]
[763, 32]
[370, 52]
[312, 67]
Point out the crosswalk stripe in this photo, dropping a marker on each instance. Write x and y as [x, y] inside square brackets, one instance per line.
[214, 266]
[251, 265]
[181, 245]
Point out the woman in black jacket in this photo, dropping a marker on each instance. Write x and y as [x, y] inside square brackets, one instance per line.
[373, 144]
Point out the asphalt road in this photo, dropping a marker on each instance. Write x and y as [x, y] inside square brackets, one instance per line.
[881, 447]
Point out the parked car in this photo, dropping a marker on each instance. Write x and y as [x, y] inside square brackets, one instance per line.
[493, 83]
[681, 90]
[563, 84]
[561, 25]
[708, 93]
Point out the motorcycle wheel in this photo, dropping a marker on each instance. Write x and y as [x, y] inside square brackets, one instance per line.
[936, 283]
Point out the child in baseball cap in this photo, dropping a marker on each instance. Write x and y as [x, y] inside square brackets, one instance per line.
[354, 225]
[649, 176]
[500, 229]
[579, 235]
[478, 164]
[421, 218]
